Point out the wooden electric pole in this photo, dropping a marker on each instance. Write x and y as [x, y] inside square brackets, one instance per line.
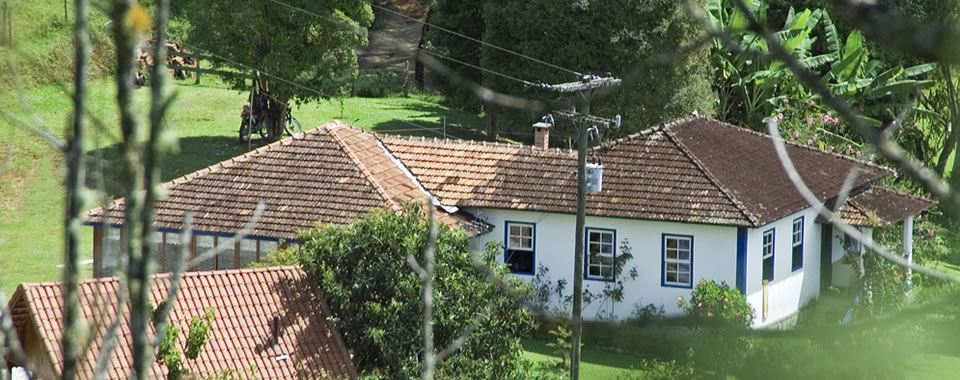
[583, 121]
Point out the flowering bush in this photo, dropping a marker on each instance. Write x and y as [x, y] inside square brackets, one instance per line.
[711, 301]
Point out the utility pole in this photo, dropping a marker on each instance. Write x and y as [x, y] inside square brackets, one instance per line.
[583, 121]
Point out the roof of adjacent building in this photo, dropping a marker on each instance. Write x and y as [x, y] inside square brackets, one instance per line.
[330, 174]
[689, 170]
[245, 303]
[880, 206]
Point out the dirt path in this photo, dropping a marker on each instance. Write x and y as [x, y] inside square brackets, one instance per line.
[393, 43]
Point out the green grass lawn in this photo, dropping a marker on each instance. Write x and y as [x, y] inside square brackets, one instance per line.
[596, 364]
[205, 117]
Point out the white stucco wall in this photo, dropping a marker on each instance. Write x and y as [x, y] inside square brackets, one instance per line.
[790, 289]
[843, 273]
[714, 254]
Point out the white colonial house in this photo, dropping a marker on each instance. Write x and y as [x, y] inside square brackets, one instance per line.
[693, 199]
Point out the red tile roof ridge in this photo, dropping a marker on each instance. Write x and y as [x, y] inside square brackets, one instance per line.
[332, 129]
[645, 132]
[688, 119]
[232, 161]
[754, 220]
[473, 142]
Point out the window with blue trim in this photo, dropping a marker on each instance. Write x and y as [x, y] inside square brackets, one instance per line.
[601, 250]
[797, 243]
[677, 260]
[768, 248]
[520, 247]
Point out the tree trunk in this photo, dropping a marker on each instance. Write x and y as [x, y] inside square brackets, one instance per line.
[491, 123]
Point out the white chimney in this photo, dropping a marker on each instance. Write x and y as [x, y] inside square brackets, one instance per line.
[541, 135]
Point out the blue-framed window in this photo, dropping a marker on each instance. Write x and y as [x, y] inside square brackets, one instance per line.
[520, 246]
[600, 253]
[677, 261]
[851, 243]
[767, 253]
[797, 242]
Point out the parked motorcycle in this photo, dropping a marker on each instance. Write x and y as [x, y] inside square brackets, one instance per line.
[256, 122]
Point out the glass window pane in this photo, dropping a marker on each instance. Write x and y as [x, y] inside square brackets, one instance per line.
[684, 278]
[267, 246]
[248, 252]
[684, 255]
[684, 244]
[671, 277]
[672, 267]
[607, 249]
[671, 243]
[607, 237]
[607, 272]
[225, 257]
[672, 254]
[684, 268]
[204, 245]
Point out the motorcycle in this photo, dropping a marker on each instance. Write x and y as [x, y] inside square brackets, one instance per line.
[256, 122]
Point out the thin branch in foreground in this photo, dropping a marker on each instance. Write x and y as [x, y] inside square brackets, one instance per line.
[834, 217]
[886, 147]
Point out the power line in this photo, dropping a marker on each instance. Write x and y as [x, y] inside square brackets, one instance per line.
[328, 18]
[320, 93]
[374, 4]
[306, 88]
[441, 56]
[433, 26]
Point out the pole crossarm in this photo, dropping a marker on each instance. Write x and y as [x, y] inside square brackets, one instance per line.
[579, 118]
[587, 83]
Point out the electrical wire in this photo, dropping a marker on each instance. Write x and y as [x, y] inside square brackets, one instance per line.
[374, 4]
[441, 56]
[328, 18]
[212, 54]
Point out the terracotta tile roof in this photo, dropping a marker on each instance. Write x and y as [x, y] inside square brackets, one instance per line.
[331, 174]
[245, 301]
[745, 163]
[690, 170]
[880, 206]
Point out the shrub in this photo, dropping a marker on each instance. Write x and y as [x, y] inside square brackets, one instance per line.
[376, 301]
[710, 301]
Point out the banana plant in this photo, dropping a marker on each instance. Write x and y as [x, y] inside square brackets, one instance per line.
[747, 80]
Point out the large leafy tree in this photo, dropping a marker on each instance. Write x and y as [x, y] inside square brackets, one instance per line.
[277, 41]
[375, 297]
[642, 41]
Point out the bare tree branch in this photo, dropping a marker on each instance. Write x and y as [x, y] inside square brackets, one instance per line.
[834, 217]
[886, 147]
[76, 184]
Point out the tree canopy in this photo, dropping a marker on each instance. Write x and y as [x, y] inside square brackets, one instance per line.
[623, 37]
[375, 297]
[311, 50]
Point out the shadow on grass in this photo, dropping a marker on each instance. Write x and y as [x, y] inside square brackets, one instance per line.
[194, 153]
[458, 124]
[588, 354]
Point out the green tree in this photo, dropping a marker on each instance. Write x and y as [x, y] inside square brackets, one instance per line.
[375, 297]
[314, 51]
[466, 17]
[622, 37]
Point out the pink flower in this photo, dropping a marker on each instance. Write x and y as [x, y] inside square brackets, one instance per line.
[810, 121]
[784, 100]
[726, 300]
[872, 156]
[929, 232]
[812, 103]
[900, 131]
[779, 116]
[699, 304]
[921, 237]
[738, 314]
[815, 136]
[709, 314]
[849, 149]
[796, 133]
[858, 153]
[679, 299]
[809, 141]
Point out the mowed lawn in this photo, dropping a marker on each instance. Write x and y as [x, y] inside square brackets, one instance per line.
[205, 117]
